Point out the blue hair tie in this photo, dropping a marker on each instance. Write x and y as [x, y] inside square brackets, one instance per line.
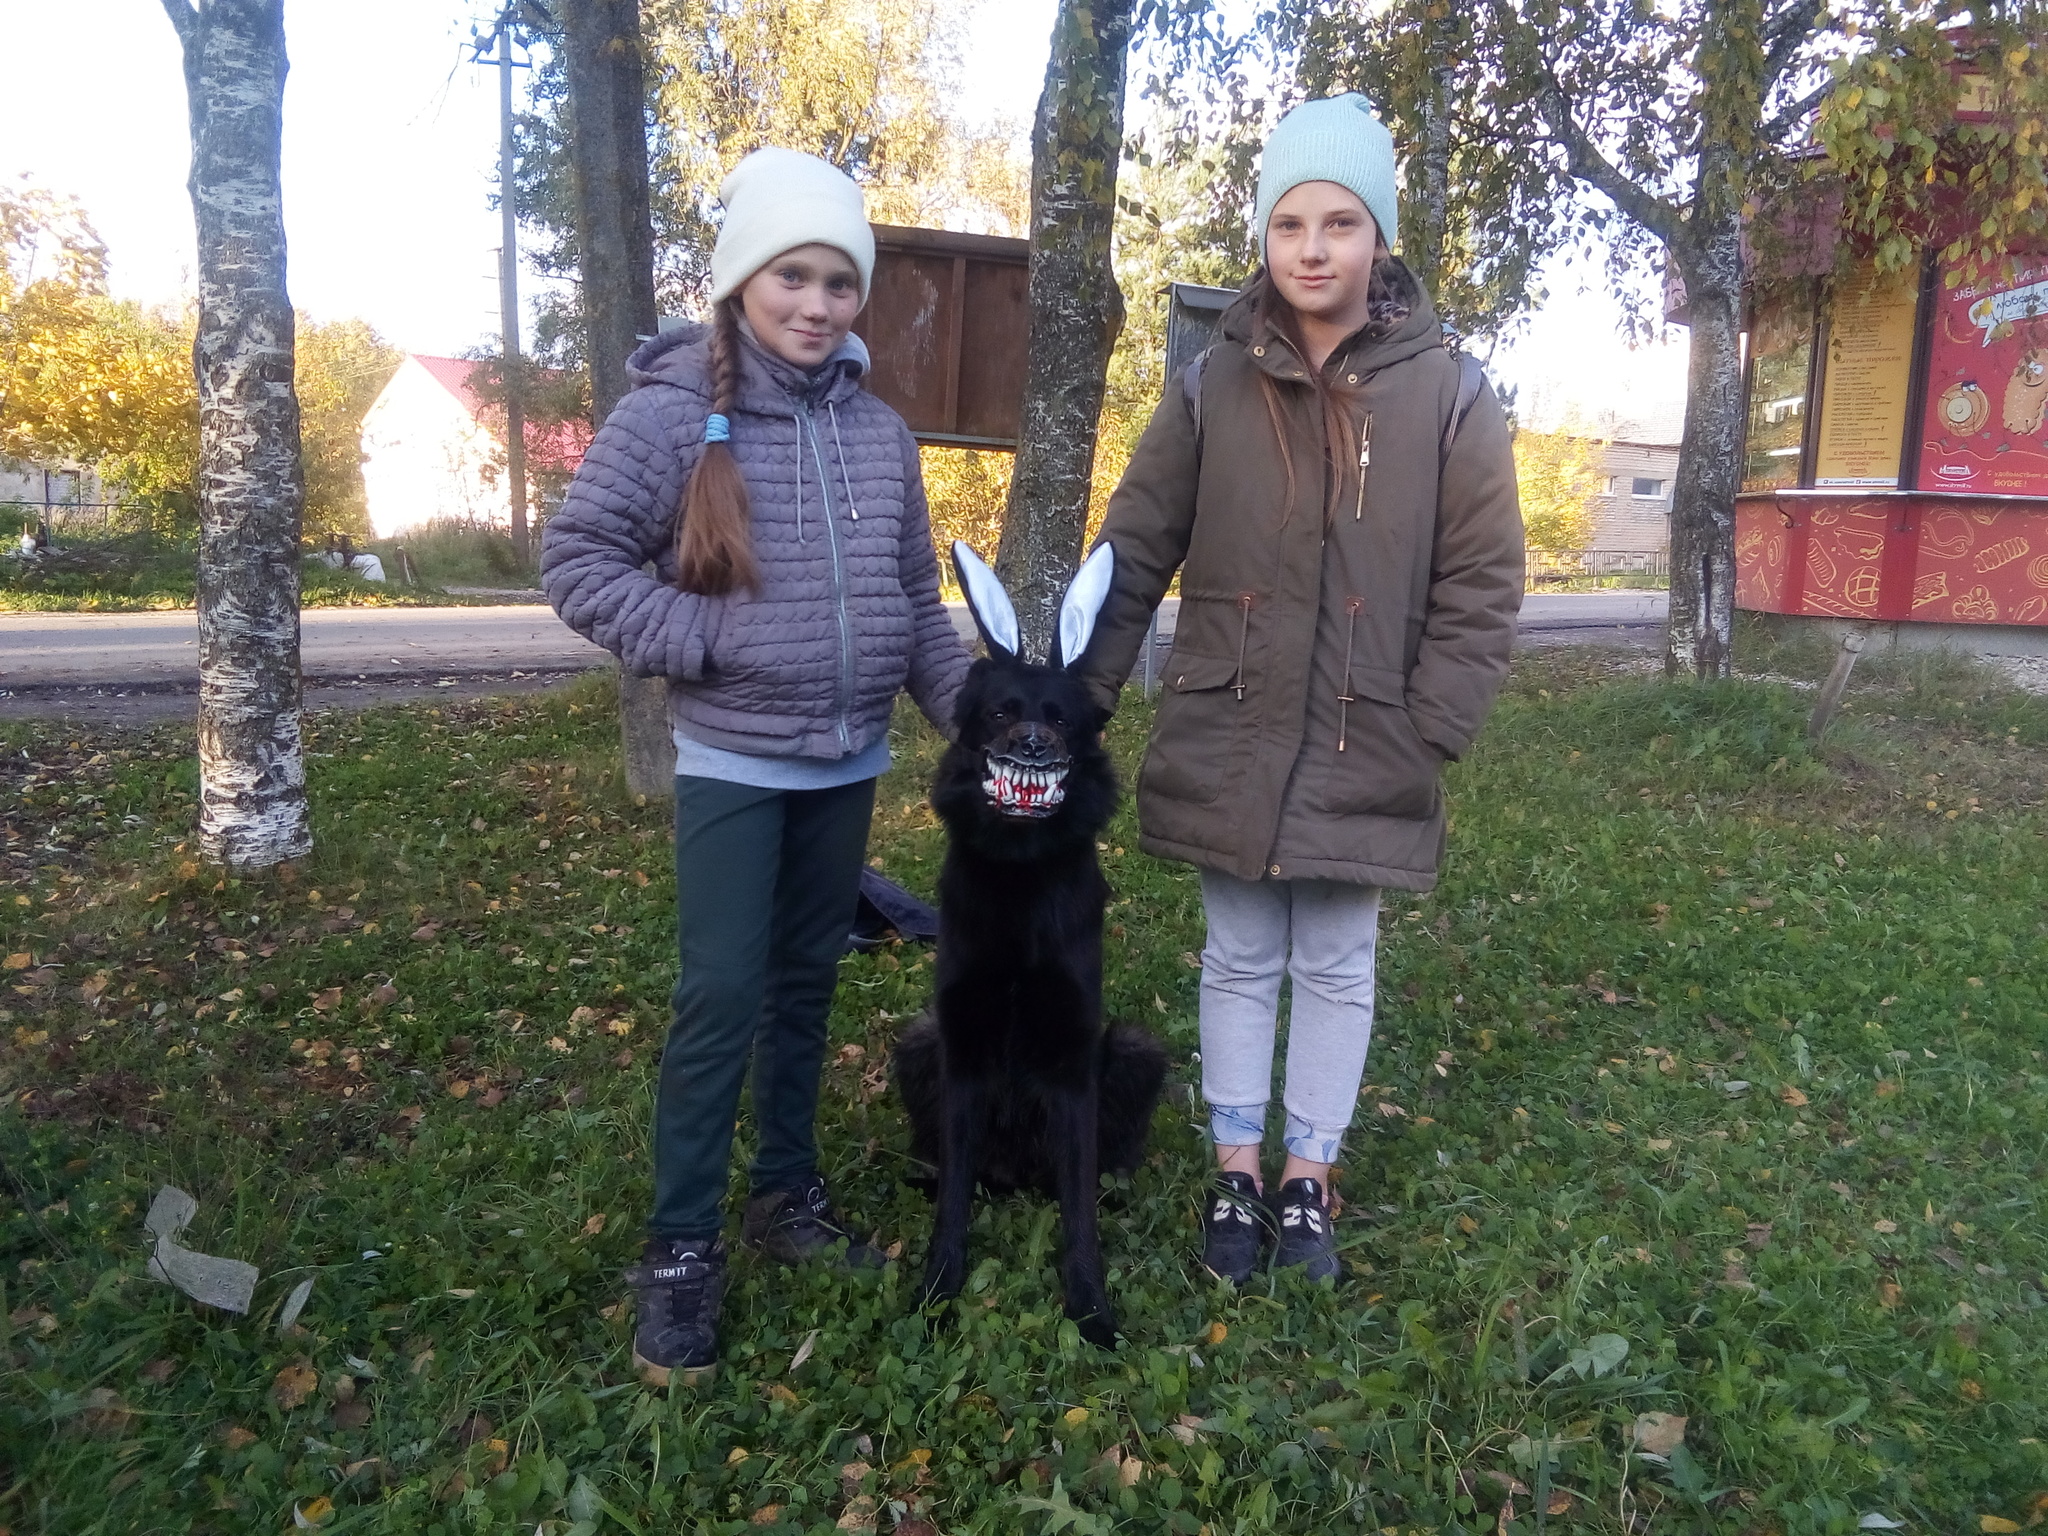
[717, 429]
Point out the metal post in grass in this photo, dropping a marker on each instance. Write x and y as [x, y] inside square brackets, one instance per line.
[1837, 684]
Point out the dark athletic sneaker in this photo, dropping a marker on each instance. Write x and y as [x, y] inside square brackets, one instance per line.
[794, 1225]
[679, 1283]
[1234, 1228]
[1306, 1237]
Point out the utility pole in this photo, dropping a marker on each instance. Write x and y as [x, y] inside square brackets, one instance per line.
[508, 295]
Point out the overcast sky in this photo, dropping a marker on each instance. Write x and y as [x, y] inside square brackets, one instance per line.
[390, 157]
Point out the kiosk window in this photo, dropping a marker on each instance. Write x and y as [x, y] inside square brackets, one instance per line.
[1780, 361]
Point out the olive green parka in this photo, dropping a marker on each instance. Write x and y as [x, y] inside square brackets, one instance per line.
[1324, 665]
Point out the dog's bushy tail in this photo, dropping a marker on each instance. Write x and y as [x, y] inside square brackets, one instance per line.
[1133, 1073]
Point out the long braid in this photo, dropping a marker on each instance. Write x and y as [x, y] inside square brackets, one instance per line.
[714, 546]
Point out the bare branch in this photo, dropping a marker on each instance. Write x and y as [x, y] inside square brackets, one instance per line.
[184, 17]
[1775, 130]
[1585, 158]
[1785, 36]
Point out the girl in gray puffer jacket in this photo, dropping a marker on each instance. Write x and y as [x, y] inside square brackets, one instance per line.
[795, 593]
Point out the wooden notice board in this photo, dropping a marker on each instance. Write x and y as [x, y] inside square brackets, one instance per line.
[1867, 378]
[946, 325]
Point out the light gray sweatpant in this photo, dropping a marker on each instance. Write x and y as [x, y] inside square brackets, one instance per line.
[1322, 933]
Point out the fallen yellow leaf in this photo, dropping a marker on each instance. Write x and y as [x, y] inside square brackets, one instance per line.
[315, 1512]
[736, 1455]
[293, 1385]
[1217, 1333]
[1790, 1095]
[1888, 1294]
[1075, 1416]
[1996, 1525]
[1659, 1433]
[595, 1225]
[19, 962]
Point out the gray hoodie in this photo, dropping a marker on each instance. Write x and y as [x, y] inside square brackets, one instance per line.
[848, 611]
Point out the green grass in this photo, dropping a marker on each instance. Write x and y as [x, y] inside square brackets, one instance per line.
[451, 555]
[133, 573]
[433, 1043]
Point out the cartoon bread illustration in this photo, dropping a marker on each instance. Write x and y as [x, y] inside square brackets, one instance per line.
[1978, 606]
[1949, 534]
[1930, 588]
[2026, 396]
[2030, 611]
[1964, 408]
[2004, 552]
[2037, 573]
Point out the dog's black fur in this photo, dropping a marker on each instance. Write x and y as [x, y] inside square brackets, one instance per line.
[1012, 1080]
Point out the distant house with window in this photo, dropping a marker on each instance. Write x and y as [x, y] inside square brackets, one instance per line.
[1633, 513]
[58, 495]
[434, 451]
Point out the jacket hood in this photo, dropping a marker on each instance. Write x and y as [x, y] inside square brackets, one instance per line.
[769, 384]
[1373, 346]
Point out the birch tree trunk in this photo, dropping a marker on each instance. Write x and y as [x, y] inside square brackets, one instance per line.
[1699, 633]
[1076, 308]
[252, 773]
[604, 60]
[1430, 173]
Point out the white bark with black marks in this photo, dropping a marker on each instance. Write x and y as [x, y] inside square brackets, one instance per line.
[1075, 305]
[1699, 635]
[252, 771]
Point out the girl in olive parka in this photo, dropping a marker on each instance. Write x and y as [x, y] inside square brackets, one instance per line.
[1349, 545]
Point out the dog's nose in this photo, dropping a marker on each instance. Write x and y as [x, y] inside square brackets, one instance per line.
[1035, 745]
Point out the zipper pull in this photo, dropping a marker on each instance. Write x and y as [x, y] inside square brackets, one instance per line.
[1364, 463]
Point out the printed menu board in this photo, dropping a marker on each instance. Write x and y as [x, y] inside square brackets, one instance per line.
[1867, 373]
[1986, 427]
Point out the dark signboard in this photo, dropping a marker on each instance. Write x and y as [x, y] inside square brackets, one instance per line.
[945, 324]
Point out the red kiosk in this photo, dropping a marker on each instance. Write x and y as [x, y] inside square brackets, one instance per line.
[1895, 463]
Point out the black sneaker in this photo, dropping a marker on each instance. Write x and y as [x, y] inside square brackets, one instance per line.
[1234, 1228]
[1306, 1237]
[679, 1282]
[794, 1225]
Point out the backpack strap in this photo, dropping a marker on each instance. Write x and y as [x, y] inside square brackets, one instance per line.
[1471, 379]
[1191, 392]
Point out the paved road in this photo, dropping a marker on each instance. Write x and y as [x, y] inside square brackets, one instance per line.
[44, 651]
[69, 650]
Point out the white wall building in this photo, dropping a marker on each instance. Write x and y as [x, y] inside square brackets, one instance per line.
[434, 452]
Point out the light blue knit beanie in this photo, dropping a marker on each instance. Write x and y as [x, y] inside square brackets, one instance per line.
[1337, 139]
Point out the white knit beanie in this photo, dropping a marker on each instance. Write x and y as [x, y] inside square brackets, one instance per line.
[778, 199]
[1337, 139]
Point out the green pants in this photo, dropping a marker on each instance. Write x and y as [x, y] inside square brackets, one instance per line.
[766, 884]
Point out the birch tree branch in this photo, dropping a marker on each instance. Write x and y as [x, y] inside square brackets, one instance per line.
[184, 18]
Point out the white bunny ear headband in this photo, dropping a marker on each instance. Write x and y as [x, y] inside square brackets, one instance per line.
[996, 617]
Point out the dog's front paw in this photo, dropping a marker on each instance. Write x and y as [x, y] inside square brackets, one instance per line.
[944, 1277]
[1097, 1325]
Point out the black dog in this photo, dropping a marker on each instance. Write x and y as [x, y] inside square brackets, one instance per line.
[1012, 1080]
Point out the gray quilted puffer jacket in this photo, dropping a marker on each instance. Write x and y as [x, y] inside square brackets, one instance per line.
[848, 611]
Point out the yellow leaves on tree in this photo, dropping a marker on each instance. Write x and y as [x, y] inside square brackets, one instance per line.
[1558, 475]
[84, 379]
[866, 84]
[90, 380]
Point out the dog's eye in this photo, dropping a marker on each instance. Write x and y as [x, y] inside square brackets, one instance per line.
[999, 714]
